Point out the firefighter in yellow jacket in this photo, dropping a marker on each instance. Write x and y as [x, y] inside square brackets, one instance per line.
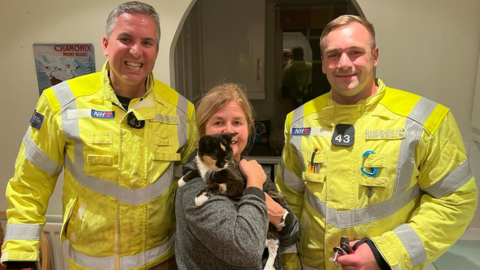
[385, 168]
[119, 135]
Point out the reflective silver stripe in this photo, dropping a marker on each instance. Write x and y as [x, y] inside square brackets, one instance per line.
[124, 195]
[414, 128]
[182, 112]
[65, 97]
[296, 140]
[289, 249]
[413, 244]
[422, 110]
[63, 93]
[22, 231]
[290, 179]
[38, 158]
[351, 218]
[451, 181]
[304, 267]
[127, 262]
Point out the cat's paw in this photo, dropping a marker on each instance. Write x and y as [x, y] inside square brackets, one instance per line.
[201, 199]
[181, 183]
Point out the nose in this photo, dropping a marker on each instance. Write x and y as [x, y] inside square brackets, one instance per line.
[136, 50]
[228, 128]
[344, 61]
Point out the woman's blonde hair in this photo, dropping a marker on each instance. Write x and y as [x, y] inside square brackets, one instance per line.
[218, 97]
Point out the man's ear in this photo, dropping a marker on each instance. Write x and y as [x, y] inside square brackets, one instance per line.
[375, 56]
[105, 45]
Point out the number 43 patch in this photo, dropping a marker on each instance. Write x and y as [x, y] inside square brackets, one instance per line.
[344, 135]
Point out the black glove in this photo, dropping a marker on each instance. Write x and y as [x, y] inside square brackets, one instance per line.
[20, 265]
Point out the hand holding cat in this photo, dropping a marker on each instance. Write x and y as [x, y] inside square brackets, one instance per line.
[275, 211]
[253, 172]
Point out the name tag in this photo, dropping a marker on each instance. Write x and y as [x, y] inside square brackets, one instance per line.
[388, 134]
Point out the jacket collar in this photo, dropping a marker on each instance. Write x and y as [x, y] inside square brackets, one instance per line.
[335, 113]
[110, 92]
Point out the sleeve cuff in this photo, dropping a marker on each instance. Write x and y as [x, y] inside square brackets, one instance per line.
[20, 265]
[254, 191]
[378, 256]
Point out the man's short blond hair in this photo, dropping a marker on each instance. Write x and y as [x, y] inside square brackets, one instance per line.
[344, 20]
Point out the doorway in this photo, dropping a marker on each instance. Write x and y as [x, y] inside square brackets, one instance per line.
[258, 48]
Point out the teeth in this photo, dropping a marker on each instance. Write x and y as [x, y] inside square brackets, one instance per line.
[133, 65]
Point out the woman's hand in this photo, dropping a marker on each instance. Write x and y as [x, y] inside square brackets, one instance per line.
[275, 211]
[253, 172]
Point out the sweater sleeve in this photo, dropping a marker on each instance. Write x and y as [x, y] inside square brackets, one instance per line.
[235, 234]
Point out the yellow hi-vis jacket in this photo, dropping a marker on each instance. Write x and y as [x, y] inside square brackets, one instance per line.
[415, 197]
[119, 182]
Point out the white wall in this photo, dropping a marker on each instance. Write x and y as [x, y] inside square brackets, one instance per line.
[25, 22]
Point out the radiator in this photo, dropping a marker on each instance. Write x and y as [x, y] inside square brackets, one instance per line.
[59, 252]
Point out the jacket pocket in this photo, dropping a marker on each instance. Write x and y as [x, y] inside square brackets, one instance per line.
[163, 148]
[99, 159]
[67, 215]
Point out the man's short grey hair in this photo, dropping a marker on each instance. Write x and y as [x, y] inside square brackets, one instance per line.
[132, 7]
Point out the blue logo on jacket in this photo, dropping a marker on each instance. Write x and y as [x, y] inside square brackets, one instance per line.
[103, 114]
[37, 120]
[301, 131]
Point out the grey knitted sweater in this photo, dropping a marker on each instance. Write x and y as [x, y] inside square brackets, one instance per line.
[222, 233]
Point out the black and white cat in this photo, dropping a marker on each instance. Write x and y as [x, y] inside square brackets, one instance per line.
[217, 167]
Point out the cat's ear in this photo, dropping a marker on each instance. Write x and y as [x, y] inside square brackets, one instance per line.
[202, 144]
[234, 136]
[230, 136]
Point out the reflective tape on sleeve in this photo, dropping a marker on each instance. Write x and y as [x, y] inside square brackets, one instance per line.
[412, 243]
[37, 157]
[127, 262]
[22, 231]
[451, 181]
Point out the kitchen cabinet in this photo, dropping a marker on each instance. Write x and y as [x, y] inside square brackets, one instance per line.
[233, 44]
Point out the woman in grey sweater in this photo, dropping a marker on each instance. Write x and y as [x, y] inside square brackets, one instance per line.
[224, 233]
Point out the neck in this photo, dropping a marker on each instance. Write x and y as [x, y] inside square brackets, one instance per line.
[352, 100]
[127, 90]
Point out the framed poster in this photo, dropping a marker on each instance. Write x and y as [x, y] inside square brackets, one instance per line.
[59, 62]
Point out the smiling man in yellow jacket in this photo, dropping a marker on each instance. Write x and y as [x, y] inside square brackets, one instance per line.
[383, 167]
[119, 135]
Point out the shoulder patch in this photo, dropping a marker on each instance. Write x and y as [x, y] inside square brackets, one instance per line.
[37, 120]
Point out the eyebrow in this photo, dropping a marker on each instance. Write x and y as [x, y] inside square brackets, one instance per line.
[126, 34]
[348, 48]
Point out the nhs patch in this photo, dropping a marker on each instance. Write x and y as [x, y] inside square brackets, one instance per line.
[103, 114]
[301, 131]
[37, 120]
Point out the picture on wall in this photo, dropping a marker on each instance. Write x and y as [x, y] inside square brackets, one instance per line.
[59, 62]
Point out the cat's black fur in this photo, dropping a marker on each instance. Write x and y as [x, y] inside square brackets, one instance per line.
[215, 164]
